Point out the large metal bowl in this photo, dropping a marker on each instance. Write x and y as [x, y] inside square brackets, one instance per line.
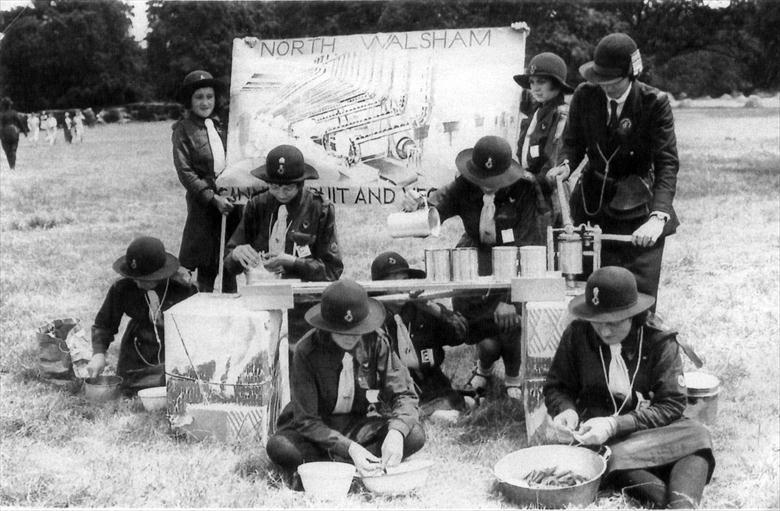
[512, 469]
[401, 479]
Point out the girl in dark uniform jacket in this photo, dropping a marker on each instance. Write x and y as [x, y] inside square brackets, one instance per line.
[290, 229]
[541, 132]
[199, 157]
[146, 290]
[617, 380]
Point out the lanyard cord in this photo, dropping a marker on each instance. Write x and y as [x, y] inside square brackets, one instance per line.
[153, 316]
[633, 378]
[603, 184]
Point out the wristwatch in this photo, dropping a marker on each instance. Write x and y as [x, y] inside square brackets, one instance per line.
[664, 217]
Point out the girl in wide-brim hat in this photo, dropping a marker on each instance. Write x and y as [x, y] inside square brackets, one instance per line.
[148, 287]
[617, 379]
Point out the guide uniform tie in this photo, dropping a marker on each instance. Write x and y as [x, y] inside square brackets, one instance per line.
[217, 148]
[278, 232]
[346, 390]
[487, 225]
[619, 382]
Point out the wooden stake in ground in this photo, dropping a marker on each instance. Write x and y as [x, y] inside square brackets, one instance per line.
[218, 283]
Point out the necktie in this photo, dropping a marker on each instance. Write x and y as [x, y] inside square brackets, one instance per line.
[346, 390]
[619, 383]
[406, 351]
[154, 307]
[613, 118]
[217, 149]
[487, 225]
[524, 150]
[278, 232]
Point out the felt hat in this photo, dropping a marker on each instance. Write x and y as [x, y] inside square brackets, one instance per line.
[616, 57]
[197, 80]
[146, 259]
[610, 295]
[345, 308]
[283, 165]
[545, 64]
[489, 163]
[392, 264]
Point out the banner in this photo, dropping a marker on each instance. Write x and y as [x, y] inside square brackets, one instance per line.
[373, 113]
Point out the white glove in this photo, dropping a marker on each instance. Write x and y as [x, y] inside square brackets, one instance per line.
[392, 448]
[596, 431]
[365, 462]
[96, 365]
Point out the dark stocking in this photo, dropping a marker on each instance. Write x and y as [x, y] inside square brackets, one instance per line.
[686, 482]
[641, 485]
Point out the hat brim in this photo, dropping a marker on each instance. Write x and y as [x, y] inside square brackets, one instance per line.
[261, 172]
[372, 321]
[524, 81]
[410, 273]
[581, 309]
[185, 92]
[593, 74]
[169, 268]
[467, 169]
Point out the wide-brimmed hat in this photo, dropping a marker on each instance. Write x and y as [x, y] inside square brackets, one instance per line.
[284, 164]
[545, 64]
[616, 57]
[146, 259]
[489, 163]
[392, 264]
[610, 295]
[197, 80]
[345, 308]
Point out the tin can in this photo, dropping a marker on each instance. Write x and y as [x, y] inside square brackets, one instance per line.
[533, 261]
[438, 264]
[703, 390]
[464, 264]
[504, 263]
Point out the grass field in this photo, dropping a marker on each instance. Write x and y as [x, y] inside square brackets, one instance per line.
[67, 212]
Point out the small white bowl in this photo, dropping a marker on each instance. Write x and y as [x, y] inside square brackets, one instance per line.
[154, 398]
[327, 480]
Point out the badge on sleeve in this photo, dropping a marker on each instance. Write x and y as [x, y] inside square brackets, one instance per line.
[534, 151]
[302, 250]
[508, 236]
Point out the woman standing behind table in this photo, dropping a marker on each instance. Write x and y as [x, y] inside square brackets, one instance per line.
[289, 229]
[199, 157]
[541, 133]
[499, 205]
[616, 379]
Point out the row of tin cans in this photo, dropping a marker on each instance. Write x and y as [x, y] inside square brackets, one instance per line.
[460, 264]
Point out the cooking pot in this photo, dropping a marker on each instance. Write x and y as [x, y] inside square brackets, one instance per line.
[512, 469]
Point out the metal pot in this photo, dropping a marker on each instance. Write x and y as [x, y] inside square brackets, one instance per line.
[512, 469]
[99, 389]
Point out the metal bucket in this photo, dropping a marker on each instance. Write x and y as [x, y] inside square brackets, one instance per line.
[703, 390]
[464, 264]
[102, 388]
[438, 264]
[417, 224]
[533, 261]
[512, 469]
[504, 263]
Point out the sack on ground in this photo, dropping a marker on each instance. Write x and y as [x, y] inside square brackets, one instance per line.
[80, 349]
[54, 360]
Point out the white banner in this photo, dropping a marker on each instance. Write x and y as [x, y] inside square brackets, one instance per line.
[372, 112]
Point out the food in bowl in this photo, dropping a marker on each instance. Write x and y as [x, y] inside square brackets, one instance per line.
[553, 477]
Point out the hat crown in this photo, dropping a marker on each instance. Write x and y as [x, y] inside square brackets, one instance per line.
[491, 155]
[145, 255]
[344, 303]
[548, 64]
[386, 264]
[611, 288]
[196, 76]
[614, 52]
[284, 163]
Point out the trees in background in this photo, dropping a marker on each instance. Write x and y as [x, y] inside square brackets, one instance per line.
[64, 54]
[73, 53]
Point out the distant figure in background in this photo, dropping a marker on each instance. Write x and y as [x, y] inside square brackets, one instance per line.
[147, 289]
[541, 132]
[51, 128]
[11, 125]
[78, 127]
[199, 157]
[67, 126]
[34, 126]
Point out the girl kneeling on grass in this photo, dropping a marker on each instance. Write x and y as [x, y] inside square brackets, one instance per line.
[618, 380]
[146, 290]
